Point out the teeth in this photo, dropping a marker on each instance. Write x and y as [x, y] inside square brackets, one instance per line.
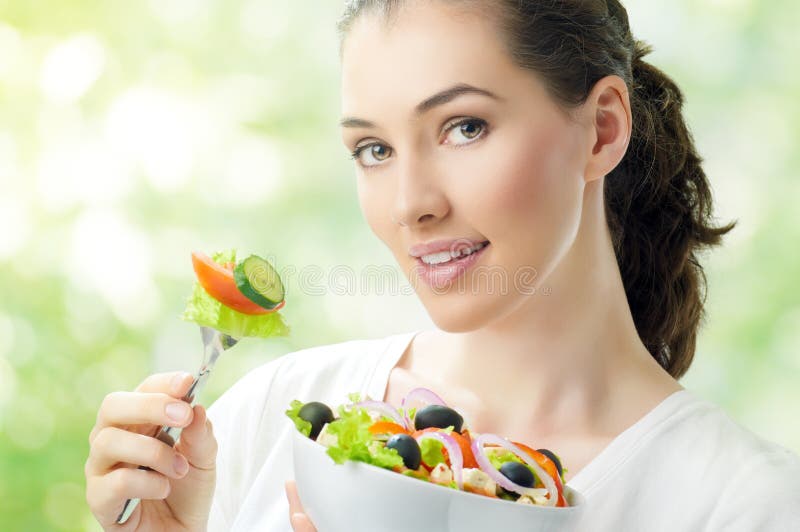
[447, 256]
[437, 258]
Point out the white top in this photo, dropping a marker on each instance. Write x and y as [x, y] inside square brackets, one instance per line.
[686, 465]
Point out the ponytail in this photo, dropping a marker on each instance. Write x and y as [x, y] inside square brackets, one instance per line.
[659, 207]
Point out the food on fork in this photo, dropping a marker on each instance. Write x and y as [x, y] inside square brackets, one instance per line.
[240, 299]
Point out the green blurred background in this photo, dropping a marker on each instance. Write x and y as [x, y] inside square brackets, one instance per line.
[134, 132]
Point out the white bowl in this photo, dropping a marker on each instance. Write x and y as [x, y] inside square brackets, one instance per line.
[358, 497]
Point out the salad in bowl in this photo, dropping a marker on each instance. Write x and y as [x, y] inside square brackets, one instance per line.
[421, 456]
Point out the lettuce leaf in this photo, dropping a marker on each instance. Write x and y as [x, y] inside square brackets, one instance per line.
[412, 412]
[355, 397]
[294, 414]
[203, 309]
[354, 440]
[431, 451]
[498, 457]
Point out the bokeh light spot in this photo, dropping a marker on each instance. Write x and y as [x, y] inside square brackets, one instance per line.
[71, 68]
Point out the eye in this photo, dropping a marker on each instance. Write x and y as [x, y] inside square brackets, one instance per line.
[378, 153]
[469, 129]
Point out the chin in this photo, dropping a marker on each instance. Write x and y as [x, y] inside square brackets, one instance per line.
[461, 313]
[458, 313]
[457, 323]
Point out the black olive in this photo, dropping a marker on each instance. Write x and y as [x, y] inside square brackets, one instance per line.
[438, 416]
[518, 474]
[554, 458]
[408, 449]
[317, 414]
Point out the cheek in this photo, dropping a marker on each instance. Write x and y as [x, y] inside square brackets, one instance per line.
[376, 208]
[537, 186]
[368, 201]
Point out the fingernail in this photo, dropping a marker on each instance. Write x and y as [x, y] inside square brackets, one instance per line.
[177, 411]
[177, 380]
[180, 464]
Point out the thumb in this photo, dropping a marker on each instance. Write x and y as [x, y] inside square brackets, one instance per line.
[197, 442]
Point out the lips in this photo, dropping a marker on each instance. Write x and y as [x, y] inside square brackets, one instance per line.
[437, 246]
[442, 276]
[444, 257]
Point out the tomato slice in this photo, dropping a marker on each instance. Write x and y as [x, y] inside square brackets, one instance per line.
[217, 280]
[386, 427]
[464, 441]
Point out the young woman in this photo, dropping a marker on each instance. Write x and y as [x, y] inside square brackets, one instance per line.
[535, 135]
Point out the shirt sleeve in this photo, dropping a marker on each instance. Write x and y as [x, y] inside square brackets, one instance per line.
[236, 419]
[763, 495]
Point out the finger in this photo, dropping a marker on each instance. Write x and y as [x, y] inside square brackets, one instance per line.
[295, 507]
[301, 523]
[134, 408]
[106, 494]
[175, 383]
[299, 520]
[113, 446]
[197, 441]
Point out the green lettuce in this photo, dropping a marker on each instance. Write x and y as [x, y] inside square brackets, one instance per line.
[354, 439]
[431, 451]
[412, 412]
[203, 309]
[498, 457]
[355, 397]
[294, 414]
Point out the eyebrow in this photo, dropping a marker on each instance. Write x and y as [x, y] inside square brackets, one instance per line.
[440, 98]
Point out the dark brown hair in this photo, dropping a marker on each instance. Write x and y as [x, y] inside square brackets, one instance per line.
[658, 201]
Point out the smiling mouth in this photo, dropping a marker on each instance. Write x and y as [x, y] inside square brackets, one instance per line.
[447, 257]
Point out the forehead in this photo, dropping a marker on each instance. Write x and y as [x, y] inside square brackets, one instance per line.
[425, 47]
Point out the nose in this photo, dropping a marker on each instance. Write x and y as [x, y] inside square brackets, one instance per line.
[419, 199]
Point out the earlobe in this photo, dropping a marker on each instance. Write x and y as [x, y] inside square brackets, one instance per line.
[609, 105]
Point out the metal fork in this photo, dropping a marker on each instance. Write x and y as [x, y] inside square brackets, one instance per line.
[214, 343]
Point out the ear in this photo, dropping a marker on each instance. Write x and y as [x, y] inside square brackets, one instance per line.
[608, 111]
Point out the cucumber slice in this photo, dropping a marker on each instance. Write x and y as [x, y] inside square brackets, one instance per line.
[259, 282]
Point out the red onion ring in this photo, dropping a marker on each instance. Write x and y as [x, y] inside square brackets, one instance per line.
[383, 408]
[422, 395]
[453, 452]
[501, 479]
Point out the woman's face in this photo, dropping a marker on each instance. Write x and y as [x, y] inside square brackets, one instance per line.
[504, 166]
